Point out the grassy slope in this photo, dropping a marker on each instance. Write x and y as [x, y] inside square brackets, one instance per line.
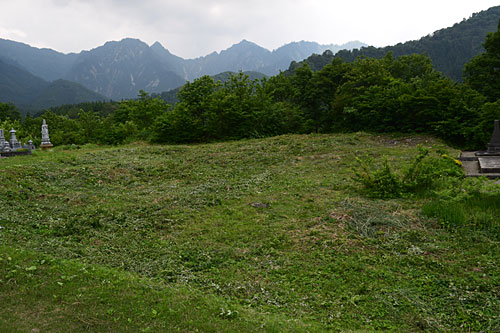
[251, 235]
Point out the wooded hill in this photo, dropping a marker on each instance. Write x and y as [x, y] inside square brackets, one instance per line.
[449, 49]
[30, 92]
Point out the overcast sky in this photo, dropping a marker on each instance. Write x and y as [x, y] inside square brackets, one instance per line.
[192, 28]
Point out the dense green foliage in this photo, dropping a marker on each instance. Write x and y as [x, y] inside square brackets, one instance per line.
[9, 111]
[389, 94]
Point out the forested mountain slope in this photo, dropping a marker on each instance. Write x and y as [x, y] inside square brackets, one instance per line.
[450, 48]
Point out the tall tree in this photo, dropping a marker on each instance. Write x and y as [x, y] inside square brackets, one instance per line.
[483, 72]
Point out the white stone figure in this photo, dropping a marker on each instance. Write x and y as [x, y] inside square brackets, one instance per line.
[45, 136]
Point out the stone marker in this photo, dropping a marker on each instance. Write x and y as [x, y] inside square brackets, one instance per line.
[2, 138]
[13, 147]
[14, 144]
[30, 145]
[494, 145]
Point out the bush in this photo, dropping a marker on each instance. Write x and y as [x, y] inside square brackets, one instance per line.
[423, 174]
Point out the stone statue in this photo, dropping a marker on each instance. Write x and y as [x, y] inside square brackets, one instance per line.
[45, 136]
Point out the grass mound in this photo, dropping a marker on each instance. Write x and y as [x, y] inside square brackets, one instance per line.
[254, 235]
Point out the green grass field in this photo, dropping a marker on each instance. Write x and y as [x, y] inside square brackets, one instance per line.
[254, 235]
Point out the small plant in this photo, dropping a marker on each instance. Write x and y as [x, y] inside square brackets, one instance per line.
[228, 314]
[379, 183]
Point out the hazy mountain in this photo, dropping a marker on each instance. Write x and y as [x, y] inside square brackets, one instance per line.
[17, 85]
[120, 69]
[171, 61]
[29, 92]
[245, 56]
[297, 51]
[44, 63]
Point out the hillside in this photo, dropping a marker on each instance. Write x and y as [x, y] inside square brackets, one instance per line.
[45, 63]
[450, 48]
[255, 235]
[61, 92]
[31, 93]
[18, 86]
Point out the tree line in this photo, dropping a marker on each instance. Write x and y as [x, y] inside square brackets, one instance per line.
[390, 94]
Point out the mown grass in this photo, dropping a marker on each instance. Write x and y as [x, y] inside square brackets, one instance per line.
[253, 235]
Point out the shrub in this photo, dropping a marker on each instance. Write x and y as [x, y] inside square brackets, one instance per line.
[423, 174]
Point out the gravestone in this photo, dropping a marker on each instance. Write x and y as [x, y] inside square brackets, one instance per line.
[2, 139]
[30, 145]
[494, 145]
[14, 144]
[13, 147]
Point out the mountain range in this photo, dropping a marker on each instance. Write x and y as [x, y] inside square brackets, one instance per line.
[119, 69]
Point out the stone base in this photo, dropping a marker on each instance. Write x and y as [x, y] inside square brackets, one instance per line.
[478, 164]
[488, 153]
[489, 164]
[46, 146]
[15, 153]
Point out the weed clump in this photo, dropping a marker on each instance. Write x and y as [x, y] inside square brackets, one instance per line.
[424, 173]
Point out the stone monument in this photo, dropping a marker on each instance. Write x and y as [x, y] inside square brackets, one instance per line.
[14, 144]
[45, 137]
[13, 147]
[494, 145]
[2, 139]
